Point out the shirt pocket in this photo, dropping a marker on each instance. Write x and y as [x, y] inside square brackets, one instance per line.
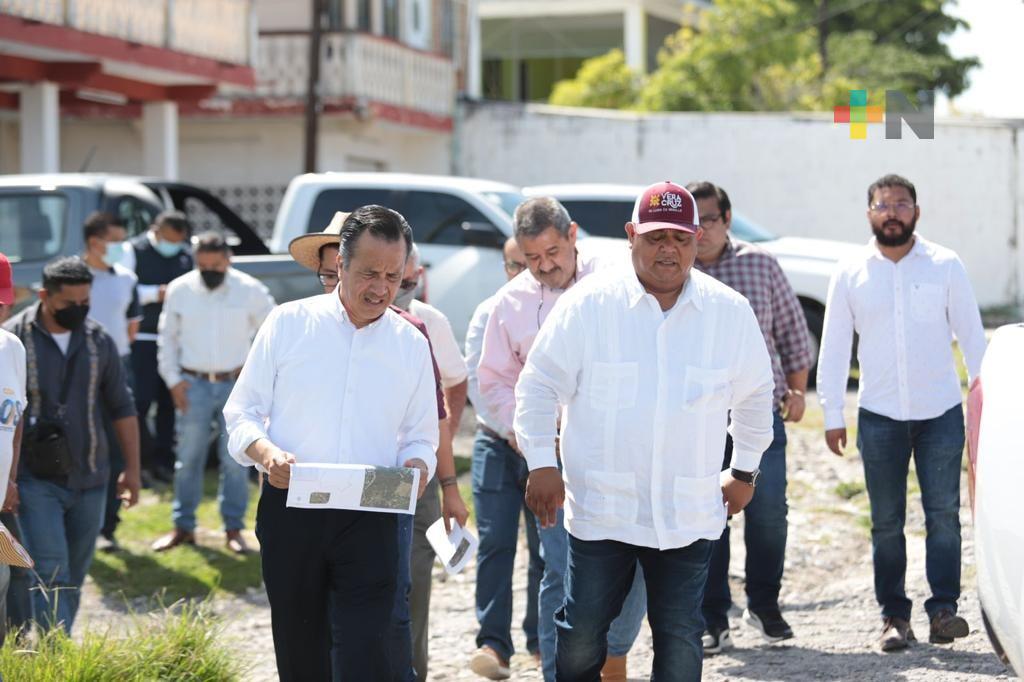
[705, 389]
[927, 302]
[699, 504]
[611, 498]
[613, 385]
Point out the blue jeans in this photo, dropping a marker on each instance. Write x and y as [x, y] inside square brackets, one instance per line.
[205, 404]
[937, 446]
[600, 576]
[628, 618]
[60, 526]
[499, 482]
[765, 530]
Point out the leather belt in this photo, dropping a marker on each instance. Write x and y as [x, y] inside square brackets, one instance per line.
[492, 433]
[213, 377]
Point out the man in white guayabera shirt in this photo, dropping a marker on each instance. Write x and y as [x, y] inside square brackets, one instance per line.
[336, 378]
[907, 298]
[648, 364]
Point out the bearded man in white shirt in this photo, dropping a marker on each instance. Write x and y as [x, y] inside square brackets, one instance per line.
[336, 378]
[647, 363]
[907, 298]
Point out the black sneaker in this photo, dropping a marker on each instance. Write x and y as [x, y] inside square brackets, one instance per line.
[947, 626]
[770, 623]
[716, 640]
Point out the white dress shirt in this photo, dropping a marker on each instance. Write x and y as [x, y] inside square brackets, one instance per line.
[326, 392]
[474, 348]
[647, 398]
[208, 330]
[446, 348]
[907, 314]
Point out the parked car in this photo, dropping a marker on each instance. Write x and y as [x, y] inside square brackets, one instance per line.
[459, 224]
[41, 218]
[603, 209]
[996, 455]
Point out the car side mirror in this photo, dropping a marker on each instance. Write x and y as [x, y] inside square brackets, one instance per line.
[482, 234]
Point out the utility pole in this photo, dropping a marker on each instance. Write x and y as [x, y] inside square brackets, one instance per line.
[313, 88]
[823, 35]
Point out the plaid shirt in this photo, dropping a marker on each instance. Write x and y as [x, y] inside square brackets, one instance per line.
[756, 274]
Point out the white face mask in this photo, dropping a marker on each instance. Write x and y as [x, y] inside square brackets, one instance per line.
[114, 253]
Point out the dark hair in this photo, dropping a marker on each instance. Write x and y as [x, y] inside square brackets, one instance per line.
[67, 270]
[211, 242]
[379, 221]
[706, 190]
[892, 180]
[176, 220]
[328, 245]
[536, 215]
[97, 224]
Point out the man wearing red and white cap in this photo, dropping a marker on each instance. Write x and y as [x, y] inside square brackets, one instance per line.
[648, 365]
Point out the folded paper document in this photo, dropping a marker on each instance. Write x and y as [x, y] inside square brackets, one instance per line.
[354, 486]
[454, 549]
[11, 551]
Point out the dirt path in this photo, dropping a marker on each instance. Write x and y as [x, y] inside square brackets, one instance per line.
[827, 597]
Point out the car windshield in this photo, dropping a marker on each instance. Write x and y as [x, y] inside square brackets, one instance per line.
[600, 217]
[32, 225]
[743, 229]
[506, 201]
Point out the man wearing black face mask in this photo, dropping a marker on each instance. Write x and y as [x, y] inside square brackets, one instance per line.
[74, 376]
[209, 319]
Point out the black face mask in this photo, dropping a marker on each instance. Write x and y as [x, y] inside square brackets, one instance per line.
[72, 317]
[212, 278]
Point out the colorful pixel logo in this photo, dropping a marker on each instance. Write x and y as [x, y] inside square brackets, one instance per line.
[897, 110]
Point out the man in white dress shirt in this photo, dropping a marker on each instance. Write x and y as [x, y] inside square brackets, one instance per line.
[907, 298]
[209, 319]
[336, 378]
[648, 363]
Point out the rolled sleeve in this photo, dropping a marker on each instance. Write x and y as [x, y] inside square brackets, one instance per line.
[751, 409]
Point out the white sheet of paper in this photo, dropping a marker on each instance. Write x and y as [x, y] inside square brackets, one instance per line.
[354, 486]
[455, 549]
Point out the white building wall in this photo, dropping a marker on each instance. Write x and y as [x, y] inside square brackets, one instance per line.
[796, 175]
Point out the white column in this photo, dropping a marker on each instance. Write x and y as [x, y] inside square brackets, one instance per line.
[40, 128]
[377, 17]
[160, 139]
[351, 18]
[634, 37]
[474, 56]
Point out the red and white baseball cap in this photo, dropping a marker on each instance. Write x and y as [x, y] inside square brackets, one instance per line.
[665, 206]
[6, 281]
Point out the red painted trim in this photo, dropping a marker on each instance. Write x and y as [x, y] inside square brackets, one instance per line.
[55, 37]
[8, 100]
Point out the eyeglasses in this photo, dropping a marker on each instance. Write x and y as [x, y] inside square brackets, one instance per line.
[899, 207]
[514, 266]
[705, 219]
[328, 279]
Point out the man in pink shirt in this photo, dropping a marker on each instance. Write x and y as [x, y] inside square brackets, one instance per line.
[547, 237]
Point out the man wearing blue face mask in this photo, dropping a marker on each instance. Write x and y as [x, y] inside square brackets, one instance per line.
[115, 305]
[161, 255]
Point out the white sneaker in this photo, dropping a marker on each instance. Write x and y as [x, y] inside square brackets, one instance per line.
[716, 641]
[486, 663]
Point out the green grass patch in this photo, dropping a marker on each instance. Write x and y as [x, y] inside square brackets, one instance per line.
[463, 465]
[849, 489]
[177, 644]
[185, 571]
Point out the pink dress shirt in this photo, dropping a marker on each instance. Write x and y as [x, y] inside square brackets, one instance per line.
[520, 307]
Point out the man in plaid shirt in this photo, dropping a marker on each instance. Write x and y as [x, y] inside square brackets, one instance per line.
[756, 274]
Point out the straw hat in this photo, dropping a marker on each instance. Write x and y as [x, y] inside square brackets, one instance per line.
[305, 249]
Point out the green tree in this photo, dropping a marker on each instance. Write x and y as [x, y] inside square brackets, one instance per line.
[606, 82]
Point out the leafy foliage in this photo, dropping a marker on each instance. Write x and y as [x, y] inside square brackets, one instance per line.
[605, 82]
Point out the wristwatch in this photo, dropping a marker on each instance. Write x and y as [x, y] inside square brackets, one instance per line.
[748, 477]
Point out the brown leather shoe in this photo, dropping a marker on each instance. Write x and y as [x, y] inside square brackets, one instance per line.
[614, 669]
[896, 635]
[947, 626]
[235, 542]
[173, 539]
[486, 663]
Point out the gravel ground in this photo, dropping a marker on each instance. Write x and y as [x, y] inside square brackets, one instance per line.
[827, 598]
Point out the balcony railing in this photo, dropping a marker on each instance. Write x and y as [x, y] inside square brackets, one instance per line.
[357, 65]
[217, 29]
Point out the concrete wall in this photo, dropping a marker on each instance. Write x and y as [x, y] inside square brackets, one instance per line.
[796, 175]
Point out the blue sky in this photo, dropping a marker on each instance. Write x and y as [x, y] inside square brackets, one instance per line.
[997, 87]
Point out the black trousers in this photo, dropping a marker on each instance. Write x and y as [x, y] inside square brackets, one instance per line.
[156, 449]
[323, 566]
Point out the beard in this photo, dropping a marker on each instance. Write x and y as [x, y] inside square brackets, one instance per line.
[905, 234]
